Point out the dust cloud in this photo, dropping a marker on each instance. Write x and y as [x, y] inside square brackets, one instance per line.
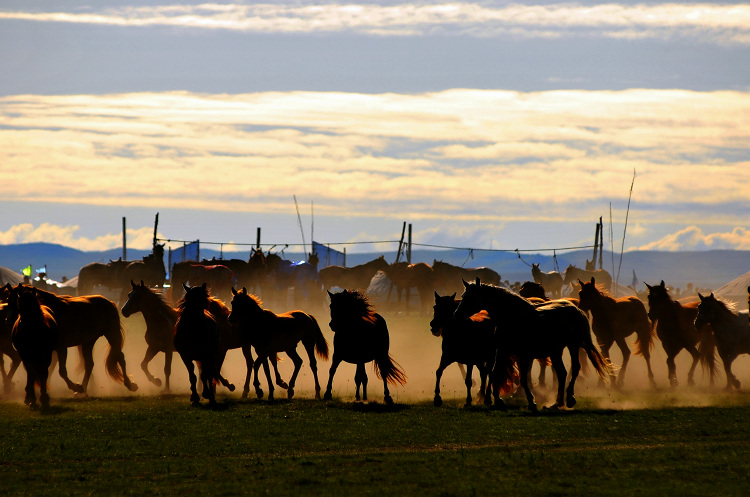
[418, 352]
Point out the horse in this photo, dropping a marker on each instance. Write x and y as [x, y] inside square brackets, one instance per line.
[35, 336]
[405, 276]
[270, 333]
[302, 276]
[468, 342]
[731, 331]
[675, 327]
[81, 321]
[531, 332]
[255, 272]
[448, 277]
[196, 338]
[613, 320]
[361, 336]
[357, 277]
[150, 269]
[7, 348]
[573, 274]
[96, 273]
[531, 289]
[160, 320]
[217, 277]
[552, 281]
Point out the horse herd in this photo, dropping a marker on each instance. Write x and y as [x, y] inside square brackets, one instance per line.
[496, 330]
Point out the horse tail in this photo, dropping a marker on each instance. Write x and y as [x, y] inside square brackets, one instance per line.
[644, 340]
[602, 367]
[707, 351]
[112, 363]
[321, 344]
[390, 371]
[505, 374]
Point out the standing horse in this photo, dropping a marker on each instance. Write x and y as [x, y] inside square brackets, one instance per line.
[551, 281]
[361, 336]
[468, 342]
[96, 273]
[35, 336]
[531, 332]
[613, 321]
[302, 276]
[675, 327]
[80, 323]
[731, 331]
[160, 320]
[219, 279]
[357, 277]
[449, 277]
[405, 276]
[573, 274]
[270, 333]
[6, 348]
[196, 338]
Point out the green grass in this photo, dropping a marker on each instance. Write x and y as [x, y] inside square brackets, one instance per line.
[163, 446]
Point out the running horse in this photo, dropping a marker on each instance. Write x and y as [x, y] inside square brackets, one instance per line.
[468, 342]
[551, 281]
[675, 327]
[361, 336]
[731, 331]
[81, 321]
[35, 336]
[531, 332]
[613, 320]
[270, 333]
[7, 348]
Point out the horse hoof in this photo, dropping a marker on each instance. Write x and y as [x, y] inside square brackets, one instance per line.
[533, 408]
[571, 402]
[282, 384]
[77, 388]
[327, 396]
[388, 400]
[290, 393]
[244, 394]
[156, 381]
[230, 387]
[437, 402]
[259, 393]
[133, 387]
[500, 405]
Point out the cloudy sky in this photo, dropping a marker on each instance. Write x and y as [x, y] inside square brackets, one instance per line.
[484, 124]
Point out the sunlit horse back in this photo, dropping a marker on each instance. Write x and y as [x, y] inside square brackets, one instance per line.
[361, 336]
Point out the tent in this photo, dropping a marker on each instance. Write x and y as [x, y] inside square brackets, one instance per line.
[735, 290]
[9, 276]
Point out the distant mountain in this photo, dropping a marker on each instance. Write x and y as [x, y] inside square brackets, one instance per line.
[708, 269]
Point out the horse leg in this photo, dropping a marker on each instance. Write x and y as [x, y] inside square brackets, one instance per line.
[358, 381]
[279, 381]
[167, 370]
[87, 352]
[672, 370]
[335, 361]
[525, 364]
[467, 382]
[150, 354]
[256, 380]
[732, 380]
[247, 352]
[62, 369]
[267, 370]
[604, 347]
[625, 358]
[297, 361]
[310, 347]
[15, 361]
[43, 374]
[575, 368]
[208, 373]
[220, 356]
[438, 401]
[562, 374]
[696, 358]
[647, 357]
[542, 373]
[30, 399]
[195, 399]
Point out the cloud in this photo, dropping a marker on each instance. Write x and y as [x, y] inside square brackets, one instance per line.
[694, 238]
[703, 21]
[139, 238]
[488, 156]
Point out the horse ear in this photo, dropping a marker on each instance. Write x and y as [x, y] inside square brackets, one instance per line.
[204, 286]
[142, 283]
[593, 281]
[477, 282]
[132, 284]
[330, 295]
[454, 295]
[662, 284]
[234, 292]
[185, 287]
[466, 285]
[712, 296]
[244, 290]
[701, 296]
[436, 295]
[648, 286]
[580, 282]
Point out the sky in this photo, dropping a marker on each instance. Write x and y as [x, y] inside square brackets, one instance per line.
[503, 125]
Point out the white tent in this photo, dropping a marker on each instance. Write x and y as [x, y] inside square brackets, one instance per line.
[735, 290]
[9, 276]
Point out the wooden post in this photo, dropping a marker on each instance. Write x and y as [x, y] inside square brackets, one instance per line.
[124, 241]
[257, 239]
[401, 242]
[156, 225]
[601, 242]
[596, 246]
[408, 249]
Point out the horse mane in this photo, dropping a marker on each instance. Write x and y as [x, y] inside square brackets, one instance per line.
[360, 304]
[728, 304]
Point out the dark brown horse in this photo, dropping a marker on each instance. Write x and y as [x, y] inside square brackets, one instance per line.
[573, 274]
[270, 333]
[150, 269]
[531, 289]
[81, 321]
[160, 320]
[357, 277]
[675, 327]
[448, 277]
[531, 332]
[108, 275]
[613, 321]
[219, 279]
[731, 331]
[361, 336]
[470, 342]
[7, 348]
[196, 338]
[405, 276]
[35, 336]
[551, 281]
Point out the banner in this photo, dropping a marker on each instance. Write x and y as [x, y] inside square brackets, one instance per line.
[27, 271]
[328, 256]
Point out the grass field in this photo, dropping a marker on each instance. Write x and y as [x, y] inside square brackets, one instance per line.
[163, 446]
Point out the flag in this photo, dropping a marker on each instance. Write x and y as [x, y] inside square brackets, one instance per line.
[26, 271]
[635, 280]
